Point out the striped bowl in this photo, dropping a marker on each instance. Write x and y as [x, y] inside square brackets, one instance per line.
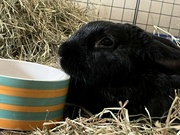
[30, 94]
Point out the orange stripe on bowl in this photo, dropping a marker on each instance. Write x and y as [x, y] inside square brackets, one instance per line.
[24, 125]
[6, 90]
[31, 109]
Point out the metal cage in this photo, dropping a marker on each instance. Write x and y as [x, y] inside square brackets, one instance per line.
[144, 13]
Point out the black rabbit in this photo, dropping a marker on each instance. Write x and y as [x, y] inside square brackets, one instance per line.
[111, 62]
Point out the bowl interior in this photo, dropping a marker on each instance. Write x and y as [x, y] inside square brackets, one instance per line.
[30, 71]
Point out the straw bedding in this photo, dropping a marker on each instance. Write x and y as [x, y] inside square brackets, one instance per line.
[117, 125]
[32, 30]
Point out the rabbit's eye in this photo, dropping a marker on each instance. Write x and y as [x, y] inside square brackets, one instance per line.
[105, 42]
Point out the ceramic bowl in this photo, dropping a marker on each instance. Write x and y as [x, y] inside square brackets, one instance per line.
[30, 94]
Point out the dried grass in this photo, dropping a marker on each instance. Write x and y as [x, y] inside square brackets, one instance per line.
[32, 30]
[116, 125]
[119, 124]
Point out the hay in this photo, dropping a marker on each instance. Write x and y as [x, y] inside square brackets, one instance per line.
[172, 38]
[31, 30]
[117, 125]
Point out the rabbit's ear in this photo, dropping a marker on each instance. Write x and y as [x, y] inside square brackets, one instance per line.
[165, 41]
[164, 55]
[173, 65]
[156, 49]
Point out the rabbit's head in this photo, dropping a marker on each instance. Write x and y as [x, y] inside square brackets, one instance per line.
[102, 50]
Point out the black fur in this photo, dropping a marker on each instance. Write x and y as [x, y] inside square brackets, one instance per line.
[134, 65]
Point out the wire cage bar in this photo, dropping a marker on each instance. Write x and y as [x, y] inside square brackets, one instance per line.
[144, 13]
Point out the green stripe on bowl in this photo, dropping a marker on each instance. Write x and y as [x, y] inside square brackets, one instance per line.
[30, 84]
[30, 116]
[24, 101]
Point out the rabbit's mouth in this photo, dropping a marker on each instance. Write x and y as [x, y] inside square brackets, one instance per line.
[59, 61]
[71, 65]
